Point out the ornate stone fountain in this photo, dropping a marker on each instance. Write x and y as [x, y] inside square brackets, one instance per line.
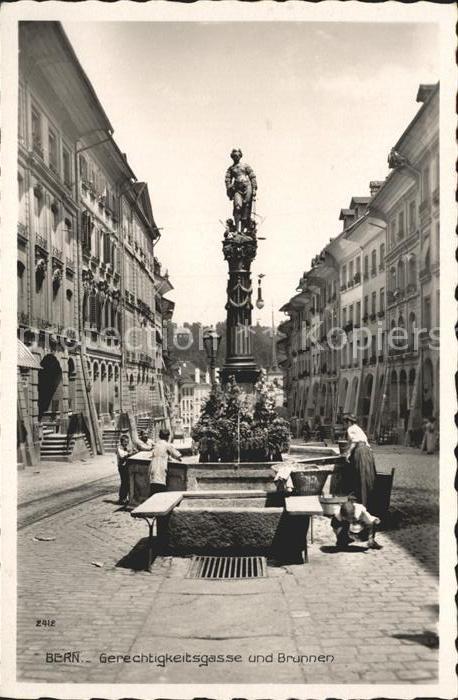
[235, 507]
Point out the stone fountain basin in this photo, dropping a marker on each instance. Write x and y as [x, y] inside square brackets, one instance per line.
[233, 522]
[247, 476]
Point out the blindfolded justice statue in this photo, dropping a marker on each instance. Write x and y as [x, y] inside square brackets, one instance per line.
[241, 188]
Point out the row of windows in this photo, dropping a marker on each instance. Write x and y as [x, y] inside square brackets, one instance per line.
[97, 242]
[93, 178]
[353, 269]
[352, 313]
[403, 224]
[101, 314]
[47, 143]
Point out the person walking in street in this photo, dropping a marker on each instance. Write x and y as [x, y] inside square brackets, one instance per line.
[353, 521]
[161, 452]
[123, 453]
[361, 461]
[430, 436]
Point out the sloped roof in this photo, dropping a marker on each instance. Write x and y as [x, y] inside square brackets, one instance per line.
[143, 202]
[359, 200]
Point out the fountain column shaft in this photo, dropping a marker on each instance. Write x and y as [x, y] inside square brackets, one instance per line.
[239, 358]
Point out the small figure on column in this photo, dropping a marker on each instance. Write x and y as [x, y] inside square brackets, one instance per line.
[241, 188]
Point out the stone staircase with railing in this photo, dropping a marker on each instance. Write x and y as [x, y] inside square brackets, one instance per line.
[110, 438]
[57, 447]
[145, 423]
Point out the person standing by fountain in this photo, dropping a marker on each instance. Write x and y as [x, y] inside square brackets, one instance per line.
[123, 452]
[161, 452]
[361, 462]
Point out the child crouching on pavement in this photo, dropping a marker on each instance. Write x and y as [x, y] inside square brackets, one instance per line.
[353, 519]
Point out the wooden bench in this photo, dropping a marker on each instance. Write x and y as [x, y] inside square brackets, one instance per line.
[306, 506]
[157, 506]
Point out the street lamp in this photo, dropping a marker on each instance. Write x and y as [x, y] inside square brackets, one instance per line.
[211, 342]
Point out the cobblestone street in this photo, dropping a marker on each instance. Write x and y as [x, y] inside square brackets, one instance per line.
[371, 614]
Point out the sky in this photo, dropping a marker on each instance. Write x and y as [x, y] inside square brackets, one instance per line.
[314, 106]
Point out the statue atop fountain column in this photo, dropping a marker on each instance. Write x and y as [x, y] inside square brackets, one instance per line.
[239, 249]
[241, 188]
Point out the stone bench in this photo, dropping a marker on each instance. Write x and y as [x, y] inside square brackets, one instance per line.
[303, 505]
[160, 505]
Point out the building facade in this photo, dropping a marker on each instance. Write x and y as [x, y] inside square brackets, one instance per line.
[193, 389]
[409, 203]
[85, 270]
[362, 334]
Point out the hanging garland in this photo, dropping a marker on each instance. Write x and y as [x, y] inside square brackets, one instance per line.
[239, 285]
[239, 305]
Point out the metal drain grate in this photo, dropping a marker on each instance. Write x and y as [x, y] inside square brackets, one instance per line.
[217, 568]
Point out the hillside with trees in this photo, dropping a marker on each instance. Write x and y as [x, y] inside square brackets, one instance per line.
[185, 344]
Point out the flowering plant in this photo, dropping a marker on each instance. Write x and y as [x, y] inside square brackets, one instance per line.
[229, 426]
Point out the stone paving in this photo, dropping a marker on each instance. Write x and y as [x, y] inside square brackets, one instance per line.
[366, 616]
[54, 477]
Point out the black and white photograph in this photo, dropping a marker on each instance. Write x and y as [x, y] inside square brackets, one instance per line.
[230, 370]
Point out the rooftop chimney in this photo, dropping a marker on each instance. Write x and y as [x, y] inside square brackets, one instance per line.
[374, 186]
[424, 92]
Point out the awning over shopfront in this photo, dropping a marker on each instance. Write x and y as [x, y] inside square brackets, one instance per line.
[25, 359]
